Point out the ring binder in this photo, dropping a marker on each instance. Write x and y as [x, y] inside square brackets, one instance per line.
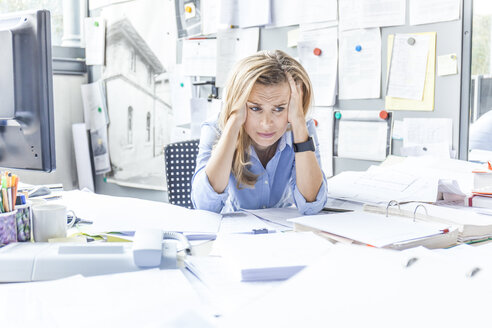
[392, 203]
[416, 208]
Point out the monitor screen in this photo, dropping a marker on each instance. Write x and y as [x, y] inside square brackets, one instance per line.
[27, 137]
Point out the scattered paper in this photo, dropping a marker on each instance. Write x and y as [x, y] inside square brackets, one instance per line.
[233, 45]
[433, 11]
[360, 64]
[95, 40]
[408, 66]
[318, 53]
[356, 14]
[199, 57]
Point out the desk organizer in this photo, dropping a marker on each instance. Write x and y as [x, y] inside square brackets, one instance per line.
[23, 220]
[8, 227]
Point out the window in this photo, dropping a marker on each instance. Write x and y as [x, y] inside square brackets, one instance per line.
[129, 138]
[54, 6]
[147, 127]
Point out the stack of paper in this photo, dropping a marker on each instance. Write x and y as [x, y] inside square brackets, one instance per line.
[270, 256]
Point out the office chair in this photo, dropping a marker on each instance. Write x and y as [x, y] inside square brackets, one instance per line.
[180, 160]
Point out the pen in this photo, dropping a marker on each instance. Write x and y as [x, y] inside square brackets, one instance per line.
[259, 231]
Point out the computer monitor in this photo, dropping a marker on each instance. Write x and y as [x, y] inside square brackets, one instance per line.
[27, 136]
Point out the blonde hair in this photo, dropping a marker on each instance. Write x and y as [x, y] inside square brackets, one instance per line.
[266, 68]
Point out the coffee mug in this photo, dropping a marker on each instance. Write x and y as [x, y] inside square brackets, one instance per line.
[50, 221]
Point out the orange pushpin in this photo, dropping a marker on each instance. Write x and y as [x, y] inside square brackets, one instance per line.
[188, 9]
[317, 51]
[315, 122]
[383, 114]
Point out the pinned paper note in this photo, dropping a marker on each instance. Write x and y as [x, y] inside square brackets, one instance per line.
[292, 38]
[447, 65]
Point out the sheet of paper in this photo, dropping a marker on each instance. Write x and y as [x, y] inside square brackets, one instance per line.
[398, 130]
[253, 13]
[285, 13]
[292, 38]
[447, 65]
[427, 103]
[363, 271]
[100, 150]
[181, 93]
[95, 40]
[163, 295]
[382, 184]
[408, 66]
[324, 130]
[243, 222]
[233, 45]
[433, 11]
[424, 131]
[314, 11]
[356, 14]
[317, 26]
[82, 157]
[199, 57]
[278, 216]
[270, 252]
[440, 150]
[322, 68]
[210, 16]
[362, 140]
[94, 100]
[111, 213]
[360, 64]
[199, 107]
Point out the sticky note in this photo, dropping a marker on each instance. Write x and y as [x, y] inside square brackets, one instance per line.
[447, 64]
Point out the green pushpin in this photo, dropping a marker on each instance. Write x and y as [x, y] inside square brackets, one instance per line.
[338, 115]
[99, 109]
[182, 84]
[96, 24]
[105, 179]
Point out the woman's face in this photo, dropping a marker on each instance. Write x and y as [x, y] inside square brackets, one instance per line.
[267, 116]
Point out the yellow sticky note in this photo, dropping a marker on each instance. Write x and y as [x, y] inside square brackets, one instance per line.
[427, 102]
[447, 64]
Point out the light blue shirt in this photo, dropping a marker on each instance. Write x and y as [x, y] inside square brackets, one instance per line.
[276, 185]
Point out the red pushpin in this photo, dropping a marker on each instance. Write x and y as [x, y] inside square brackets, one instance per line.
[383, 114]
[317, 51]
[315, 122]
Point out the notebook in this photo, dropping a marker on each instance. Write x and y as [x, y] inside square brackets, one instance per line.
[372, 229]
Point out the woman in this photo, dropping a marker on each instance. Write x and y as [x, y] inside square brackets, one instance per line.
[260, 153]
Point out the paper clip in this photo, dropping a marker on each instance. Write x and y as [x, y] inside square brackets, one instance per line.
[392, 203]
[415, 210]
[473, 272]
[411, 261]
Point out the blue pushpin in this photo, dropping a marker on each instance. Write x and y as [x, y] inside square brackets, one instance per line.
[358, 48]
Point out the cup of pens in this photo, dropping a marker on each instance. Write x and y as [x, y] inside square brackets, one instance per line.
[8, 227]
[8, 213]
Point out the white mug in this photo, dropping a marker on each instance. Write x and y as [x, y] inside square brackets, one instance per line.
[50, 221]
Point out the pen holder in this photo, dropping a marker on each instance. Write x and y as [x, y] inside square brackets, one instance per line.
[8, 227]
[23, 220]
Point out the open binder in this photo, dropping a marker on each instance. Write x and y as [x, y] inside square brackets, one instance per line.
[379, 230]
[471, 226]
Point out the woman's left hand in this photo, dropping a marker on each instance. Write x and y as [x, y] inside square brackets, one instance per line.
[296, 113]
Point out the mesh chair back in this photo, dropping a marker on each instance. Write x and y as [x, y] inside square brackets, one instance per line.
[180, 160]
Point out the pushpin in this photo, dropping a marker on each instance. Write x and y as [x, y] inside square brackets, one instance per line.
[338, 115]
[358, 48]
[317, 51]
[411, 41]
[188, 9]
[383, 114]
[453, 56]
[181, 84]
[315, 122]
[99, 109]
[96, 24]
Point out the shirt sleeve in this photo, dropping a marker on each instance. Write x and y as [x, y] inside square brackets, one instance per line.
[304, 207]
[203, 196]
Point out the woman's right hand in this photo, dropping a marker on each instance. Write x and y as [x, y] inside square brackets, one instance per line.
[239, 116]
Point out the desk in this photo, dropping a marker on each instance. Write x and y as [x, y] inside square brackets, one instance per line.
[351, 286]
